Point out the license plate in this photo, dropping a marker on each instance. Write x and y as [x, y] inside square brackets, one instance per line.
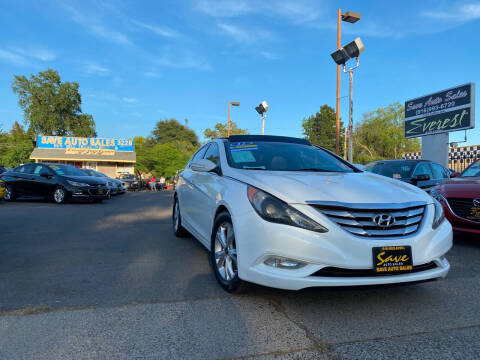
[474, 213]
[392, 259]
[100, 191]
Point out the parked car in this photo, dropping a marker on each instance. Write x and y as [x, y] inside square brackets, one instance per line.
[131, 182]
[460, 198]
[114, 185]
[53, 181]
[281, 212]
[423, 173]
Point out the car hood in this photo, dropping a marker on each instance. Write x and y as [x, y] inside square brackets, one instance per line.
[461, 187]
[361, 187]
[86, 179]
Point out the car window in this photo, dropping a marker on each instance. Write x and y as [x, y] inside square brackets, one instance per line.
[394, 169]
[41, 169]
[199, 154]
[423, 169]
[282, 156]
[473, 170]
[439, 172]
[213, 154]
[66, 170]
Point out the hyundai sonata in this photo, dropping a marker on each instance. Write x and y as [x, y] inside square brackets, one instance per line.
[281, 212]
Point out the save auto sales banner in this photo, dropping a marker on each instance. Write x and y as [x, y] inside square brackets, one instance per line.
[448, 110]
[67, 142]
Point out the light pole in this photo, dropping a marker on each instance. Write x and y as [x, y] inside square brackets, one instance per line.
[341, 56]
[262, 110]
[350, 17]
[234, 103]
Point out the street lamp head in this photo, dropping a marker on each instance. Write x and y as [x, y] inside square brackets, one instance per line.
[354, 48]
[340, 56]
[262, 108]
[235, 103]
[351, 17]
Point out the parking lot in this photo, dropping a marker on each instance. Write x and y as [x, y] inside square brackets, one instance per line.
[110, 280]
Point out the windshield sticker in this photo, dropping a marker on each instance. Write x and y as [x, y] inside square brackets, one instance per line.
[242, 146]
[243, 156]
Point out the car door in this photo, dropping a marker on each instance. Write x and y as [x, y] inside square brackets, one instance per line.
[207, 187]
[186, 192]
[16, 180]
[43, 181]
[423, 168]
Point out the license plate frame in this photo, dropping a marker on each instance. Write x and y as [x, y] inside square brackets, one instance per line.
[100, 191]
[392, 259]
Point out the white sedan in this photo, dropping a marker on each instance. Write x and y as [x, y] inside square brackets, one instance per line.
[280, 212]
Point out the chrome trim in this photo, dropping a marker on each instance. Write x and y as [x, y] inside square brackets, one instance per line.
[368, 206]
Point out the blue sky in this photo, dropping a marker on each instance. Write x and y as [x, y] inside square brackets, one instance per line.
[140, 62]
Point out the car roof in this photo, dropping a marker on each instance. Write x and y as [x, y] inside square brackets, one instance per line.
[268, 138]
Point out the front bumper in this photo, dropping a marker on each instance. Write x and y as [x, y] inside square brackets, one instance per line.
[89, 192]
[460, 224]
[258, 239]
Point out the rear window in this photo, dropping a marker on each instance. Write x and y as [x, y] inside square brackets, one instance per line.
[396, 170]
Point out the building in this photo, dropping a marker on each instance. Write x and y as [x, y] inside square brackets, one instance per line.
[109, 156]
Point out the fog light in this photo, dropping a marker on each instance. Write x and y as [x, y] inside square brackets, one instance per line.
[284, 263]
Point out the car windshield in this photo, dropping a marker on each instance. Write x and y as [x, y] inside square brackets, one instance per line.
[66, 170]
[394, 169]
[88, 172]
[473, 170]
[282, 156]
[126, 176]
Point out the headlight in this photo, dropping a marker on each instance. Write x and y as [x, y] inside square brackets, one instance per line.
[275, 210]
[79, 184]
[437, 196]
[439, 215]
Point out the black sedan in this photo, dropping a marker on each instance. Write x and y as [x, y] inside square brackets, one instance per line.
[131, 182]
[423, 173]
[53, 181]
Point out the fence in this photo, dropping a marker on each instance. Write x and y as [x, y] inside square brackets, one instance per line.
[459, 158]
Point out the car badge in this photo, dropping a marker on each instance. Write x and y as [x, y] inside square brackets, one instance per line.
[383, 220]
[476, 202]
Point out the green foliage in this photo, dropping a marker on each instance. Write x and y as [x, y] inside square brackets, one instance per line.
[15, 147]
[51, 107]
[221, 130]
[320, 129]
[169, 130]
[380, 135]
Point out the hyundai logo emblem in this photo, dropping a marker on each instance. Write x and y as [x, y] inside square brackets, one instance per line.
[383, 220]
[476, 202]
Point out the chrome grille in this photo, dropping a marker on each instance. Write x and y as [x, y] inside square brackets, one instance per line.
[359, 219]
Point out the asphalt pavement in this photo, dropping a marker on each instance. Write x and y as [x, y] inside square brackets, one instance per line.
[109, 280]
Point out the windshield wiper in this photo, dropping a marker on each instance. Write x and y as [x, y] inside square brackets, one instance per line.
[253, 168]
[314, 169]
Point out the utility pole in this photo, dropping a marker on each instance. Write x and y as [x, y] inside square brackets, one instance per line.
[337, 108]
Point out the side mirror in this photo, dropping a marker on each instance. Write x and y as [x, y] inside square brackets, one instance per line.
[203, 165]
[454, 174]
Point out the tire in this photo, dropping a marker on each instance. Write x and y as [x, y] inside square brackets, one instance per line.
[223, 255]
[178, 229]
[59, 195]
[9, 194]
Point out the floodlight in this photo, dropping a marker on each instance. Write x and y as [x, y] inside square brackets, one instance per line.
[262, 108]
[235, 103]
[351, 17]
[340, 56]
[354, 48]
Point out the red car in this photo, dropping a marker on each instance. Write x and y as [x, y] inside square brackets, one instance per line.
[460, 198]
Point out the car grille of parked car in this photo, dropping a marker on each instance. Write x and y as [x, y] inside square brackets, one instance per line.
[375, 220]
[462, 208]
[341, 272]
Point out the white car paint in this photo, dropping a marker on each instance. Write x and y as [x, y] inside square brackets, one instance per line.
[201, 194]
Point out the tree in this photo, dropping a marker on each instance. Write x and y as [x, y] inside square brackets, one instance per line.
[221, 130]
[169, 130]
[51, 107]
[15, 147]
[320, 129]
[381, 135]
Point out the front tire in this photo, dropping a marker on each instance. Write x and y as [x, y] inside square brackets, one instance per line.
[223, 255]
[59, 195]
[9, 194]
[178, 229]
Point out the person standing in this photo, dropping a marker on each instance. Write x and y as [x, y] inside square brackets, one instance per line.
[162, 182]
[153, 185]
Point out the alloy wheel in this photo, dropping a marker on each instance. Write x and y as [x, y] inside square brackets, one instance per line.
[59, 195]
[226, 252]
[8, 193]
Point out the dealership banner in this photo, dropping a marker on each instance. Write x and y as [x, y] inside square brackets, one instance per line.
[448, 110]
[72, 143]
